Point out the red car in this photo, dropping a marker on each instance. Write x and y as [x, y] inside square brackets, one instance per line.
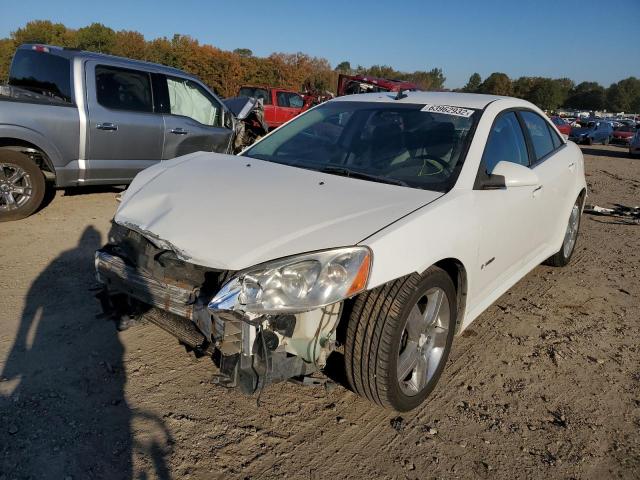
[563, 127]
[350, 84]
[623, 134]
[280, 105]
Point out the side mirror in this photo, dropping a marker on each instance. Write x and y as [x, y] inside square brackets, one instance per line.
[515, 175]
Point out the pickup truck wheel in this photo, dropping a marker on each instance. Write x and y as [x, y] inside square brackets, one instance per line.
[563, 256]
[22, 186]
[399, 337]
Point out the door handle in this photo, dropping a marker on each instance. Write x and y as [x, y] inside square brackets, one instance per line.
[572, 166]
[536, 190]
[179, 131]
[107, 126]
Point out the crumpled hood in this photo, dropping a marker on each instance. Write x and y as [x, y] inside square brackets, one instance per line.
[230, 212]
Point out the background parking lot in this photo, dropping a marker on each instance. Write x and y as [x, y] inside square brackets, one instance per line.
[546, 383]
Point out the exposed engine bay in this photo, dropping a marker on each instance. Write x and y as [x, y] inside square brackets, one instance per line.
[145, 280]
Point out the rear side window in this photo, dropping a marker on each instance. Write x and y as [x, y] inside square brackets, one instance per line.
[554, 138]
[42, 73]
[505, 143]
[539, 133]
[123, 89]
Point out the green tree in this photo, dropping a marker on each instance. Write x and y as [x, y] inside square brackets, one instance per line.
[473, 85]
[243, 52]
[96, 38]
[344, 67]
[586, 96]
[623, 95]
[546, 94]
[497, 84]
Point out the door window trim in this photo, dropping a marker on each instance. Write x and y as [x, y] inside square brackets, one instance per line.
[533, 161]
[482, 173]
[136, 71]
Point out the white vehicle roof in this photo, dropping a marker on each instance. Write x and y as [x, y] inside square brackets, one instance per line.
[468, 100]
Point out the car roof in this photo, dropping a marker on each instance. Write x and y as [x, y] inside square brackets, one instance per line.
[468, 100]
[77, 53]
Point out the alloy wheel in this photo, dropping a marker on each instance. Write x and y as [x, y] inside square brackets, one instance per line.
[423, 341]
[15, 187]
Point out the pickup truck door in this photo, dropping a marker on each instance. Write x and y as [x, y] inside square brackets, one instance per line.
[193, 119]
[289, 104]
[124, 135]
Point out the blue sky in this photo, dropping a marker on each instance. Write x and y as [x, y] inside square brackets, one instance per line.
[576, 39]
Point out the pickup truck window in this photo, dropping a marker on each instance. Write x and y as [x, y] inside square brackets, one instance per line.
[42, 73]
[259, 93]
[123, 89]
[187, 98]
[288, 99]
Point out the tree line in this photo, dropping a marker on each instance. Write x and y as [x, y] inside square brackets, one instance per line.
[556, 93]
[226, 71]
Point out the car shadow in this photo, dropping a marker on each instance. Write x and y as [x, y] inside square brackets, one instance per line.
[63, 411]
[606, 152]
[85, 190]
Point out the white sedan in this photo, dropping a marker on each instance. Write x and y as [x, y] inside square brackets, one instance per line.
[364, 234]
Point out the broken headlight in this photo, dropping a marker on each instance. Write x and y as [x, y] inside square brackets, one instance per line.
[297, 284]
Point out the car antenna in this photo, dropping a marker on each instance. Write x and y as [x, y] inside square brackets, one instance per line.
[401, 94]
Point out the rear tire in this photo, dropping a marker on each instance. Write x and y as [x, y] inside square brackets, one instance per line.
[563, 256]
[22, 186]
[401, 329]
[589, 141]
[606, 141]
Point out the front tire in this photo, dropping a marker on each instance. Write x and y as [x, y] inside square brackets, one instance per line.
[22, 186]
[399, 337]
[563, 256]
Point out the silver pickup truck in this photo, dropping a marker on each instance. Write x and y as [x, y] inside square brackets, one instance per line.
[72, 118]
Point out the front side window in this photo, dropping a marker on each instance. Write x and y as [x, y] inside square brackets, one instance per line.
[42, 73]
[256, 92]
[506, 143]
[392, 143]
[539, 133]
[288, 99]
[187, 98]
[123, 89]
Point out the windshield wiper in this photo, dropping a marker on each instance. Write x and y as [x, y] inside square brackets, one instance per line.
[347, 172]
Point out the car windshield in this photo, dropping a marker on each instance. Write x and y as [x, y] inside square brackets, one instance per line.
[385, 142]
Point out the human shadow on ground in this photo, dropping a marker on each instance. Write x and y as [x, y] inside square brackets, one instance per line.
[63, 412]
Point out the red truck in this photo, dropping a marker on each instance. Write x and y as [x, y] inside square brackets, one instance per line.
[350, 84]
[280, 105]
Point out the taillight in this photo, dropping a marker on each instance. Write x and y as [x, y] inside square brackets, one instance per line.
[40, 48]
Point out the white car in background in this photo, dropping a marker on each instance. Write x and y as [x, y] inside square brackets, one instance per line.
[371, 229]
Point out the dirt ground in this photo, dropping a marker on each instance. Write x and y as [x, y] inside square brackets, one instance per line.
[545, 384]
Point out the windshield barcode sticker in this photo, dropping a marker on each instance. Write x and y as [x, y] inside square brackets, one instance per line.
[448, 109]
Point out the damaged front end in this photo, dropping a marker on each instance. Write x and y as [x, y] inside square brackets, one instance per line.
[253, 336]
[250, 125]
